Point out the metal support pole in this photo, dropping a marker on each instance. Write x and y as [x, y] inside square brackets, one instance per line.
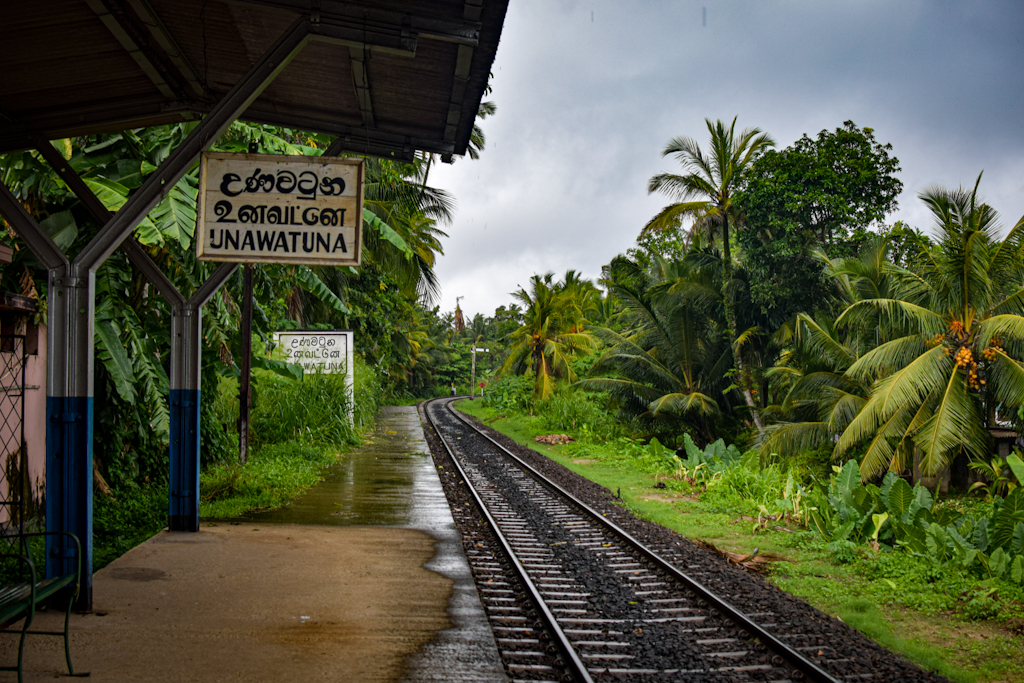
[69, 412]
[68, 417]
[183, 485]
[186, 361]
[244, 382]
[472, 382]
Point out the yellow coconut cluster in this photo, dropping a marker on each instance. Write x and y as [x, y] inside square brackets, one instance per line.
[994, 346]
[965, 359]
[935, 341]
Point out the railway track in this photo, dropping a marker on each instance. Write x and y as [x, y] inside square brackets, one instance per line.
[574, 597]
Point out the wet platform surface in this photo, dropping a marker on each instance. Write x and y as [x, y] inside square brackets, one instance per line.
[361, 579]
[391, 482]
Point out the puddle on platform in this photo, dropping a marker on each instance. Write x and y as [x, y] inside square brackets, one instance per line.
[375, 485]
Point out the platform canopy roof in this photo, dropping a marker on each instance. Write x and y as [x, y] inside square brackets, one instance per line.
[388, 77]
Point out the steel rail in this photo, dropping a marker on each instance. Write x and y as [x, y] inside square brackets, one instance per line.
[574, 662]
[805, 666]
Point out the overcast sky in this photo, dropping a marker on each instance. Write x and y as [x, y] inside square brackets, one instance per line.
[589, 93]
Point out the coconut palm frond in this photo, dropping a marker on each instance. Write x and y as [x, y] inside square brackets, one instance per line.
[784, 438]
[955, 424]
[894, 312]
[1013, 304]
[683, 404]
[1003, 327]
[912, 383]
[847, 406]
[887, 358]
[821, 342]
[1006, 375]
[671, 217]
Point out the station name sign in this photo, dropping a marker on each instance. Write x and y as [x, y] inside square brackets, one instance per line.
[280, 209]
[329, 352]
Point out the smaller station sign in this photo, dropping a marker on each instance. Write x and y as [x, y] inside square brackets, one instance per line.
[321, 351]
[280, 209]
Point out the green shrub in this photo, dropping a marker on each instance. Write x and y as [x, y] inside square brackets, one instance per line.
[581, 413]
[745, 487]
[896, 516]
[297, 427]
[511, 393]
[130, 515]
[368, 393]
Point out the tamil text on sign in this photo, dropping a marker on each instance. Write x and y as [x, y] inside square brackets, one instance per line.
[280, 209]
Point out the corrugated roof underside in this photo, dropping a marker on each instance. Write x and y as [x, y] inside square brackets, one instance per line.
[63, 72]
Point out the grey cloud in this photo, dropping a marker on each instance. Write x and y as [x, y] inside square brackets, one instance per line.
[584, 109]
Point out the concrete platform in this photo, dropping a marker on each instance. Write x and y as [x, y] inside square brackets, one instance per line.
[361, 579]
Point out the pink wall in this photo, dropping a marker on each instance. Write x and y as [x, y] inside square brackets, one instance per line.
[35, 418]
[34, 422]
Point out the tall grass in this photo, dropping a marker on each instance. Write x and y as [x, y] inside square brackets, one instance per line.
[584, 414]
[297, 428]
[315, 409]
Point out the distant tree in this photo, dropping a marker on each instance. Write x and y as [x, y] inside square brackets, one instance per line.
[908, 247]
[584, 299]
[546, 340]
[670, 366]
[815, 197]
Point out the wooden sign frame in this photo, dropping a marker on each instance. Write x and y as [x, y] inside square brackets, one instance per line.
[262, 208]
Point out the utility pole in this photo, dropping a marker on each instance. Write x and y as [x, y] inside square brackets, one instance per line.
[244, 382]
[472, 381]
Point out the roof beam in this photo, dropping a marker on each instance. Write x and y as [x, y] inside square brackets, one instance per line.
[396, 42]
[355, 139]
[471, 10]
[159, 183]
[346, 144]
[361, 81]
[163, 37]
[101, 213]
[366, 16]
[132, 39]
[44, 248]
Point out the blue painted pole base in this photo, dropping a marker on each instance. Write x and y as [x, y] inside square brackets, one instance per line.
[183, 512]
[69, 488]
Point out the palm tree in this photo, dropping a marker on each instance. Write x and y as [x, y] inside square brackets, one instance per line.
[704, 192]
[816, 399]
[545, 341]
[407, 238]
[951, 342]
[584, 298]
[671, 365]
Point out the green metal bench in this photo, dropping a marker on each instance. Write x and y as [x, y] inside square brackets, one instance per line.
[18, 599]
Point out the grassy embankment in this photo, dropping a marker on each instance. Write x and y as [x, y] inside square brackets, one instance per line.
[904, 603]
